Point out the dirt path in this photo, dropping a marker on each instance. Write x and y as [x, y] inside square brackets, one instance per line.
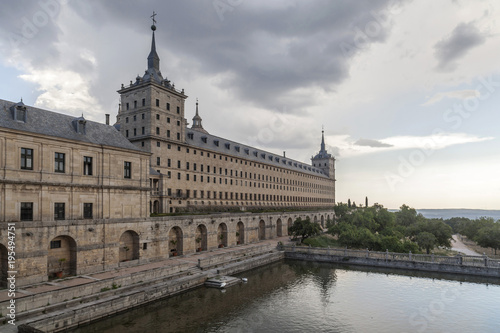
[457, 245]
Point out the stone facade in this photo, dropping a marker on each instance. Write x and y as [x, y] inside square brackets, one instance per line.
[197, 171]
[79, 193]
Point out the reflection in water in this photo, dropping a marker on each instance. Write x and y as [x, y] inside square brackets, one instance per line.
[295, 296]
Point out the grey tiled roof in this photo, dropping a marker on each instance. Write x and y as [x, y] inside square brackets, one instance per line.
[238, 150]
[59, 125]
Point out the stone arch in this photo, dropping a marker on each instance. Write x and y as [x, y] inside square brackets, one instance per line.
[4, 266]
[240, 233]
[175, 244]
[61, 257]
[315, 220]
[289, 225]
[156, 207]
[222, 235]
[262, 230]
[279, 228]
[322, 221]
[201, 238]
[129, 246]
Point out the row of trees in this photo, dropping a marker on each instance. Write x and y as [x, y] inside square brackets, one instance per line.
[378, 229]
[484, 230]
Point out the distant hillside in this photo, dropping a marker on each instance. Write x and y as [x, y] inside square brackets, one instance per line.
[468, 213]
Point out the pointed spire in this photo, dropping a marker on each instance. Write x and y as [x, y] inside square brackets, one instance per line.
[322, 139]
[153, 59]
[197, 121]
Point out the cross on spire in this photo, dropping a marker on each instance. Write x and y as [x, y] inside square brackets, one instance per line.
[153, 17]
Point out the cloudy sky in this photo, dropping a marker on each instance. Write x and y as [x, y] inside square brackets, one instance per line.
[408, 92]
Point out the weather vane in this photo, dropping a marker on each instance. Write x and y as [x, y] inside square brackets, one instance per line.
[153, 17]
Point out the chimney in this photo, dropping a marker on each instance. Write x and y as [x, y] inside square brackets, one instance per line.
[284, 153]
[107, 118]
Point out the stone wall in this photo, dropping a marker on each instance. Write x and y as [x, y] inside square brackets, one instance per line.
[89, 246]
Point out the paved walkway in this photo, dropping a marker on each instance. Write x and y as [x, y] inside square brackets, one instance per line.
[457, 245]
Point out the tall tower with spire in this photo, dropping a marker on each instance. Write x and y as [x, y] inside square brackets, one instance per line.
[324, 161]
[152, 109]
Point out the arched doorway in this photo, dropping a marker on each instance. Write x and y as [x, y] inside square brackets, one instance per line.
[315, 219]
[240, 233]
[279, 227]
[222, 235]
[61, 257]
[322, 221]
[201, 238]
[175, 245]
[289, 225]
[156, 207]
[4, 262]
[262, 230]
[129, 246]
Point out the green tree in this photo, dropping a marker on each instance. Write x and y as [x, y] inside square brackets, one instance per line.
[426, 240]
[349, 203]
[407, 216]
[489, 237]
[366, 202]
[304, 228]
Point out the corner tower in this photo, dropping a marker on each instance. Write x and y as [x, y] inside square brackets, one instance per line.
[152, 109]
[324, 161]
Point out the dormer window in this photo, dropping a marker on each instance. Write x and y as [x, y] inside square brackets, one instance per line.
[19, 112]
[216, 142]
[190, 136]
[227, 145]
[79, 125]
[204, 139]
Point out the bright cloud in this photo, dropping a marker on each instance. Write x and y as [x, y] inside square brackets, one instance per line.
[457, 94]
[349, 147]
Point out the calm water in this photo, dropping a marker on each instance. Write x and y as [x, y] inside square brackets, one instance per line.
[294, 296]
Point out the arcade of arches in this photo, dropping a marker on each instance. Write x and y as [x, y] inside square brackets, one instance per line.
[80, 249]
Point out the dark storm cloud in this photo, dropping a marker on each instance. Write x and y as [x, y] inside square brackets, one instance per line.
[28, 28]
[371, 143]
[464, 37]
[267, 52]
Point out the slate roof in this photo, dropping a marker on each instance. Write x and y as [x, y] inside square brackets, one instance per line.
[238, 150]
[59, 125]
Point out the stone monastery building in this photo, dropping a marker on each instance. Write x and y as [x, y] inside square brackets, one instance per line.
[80, 193]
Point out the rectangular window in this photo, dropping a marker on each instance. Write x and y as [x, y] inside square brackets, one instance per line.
[187, 165]
[59, 162]
[56, 244]
[178, 110]
[178, 136]
[135, 131]
[26, 159]
[157, 143]
[168, 107]
[168, 120]
[128, 107]
[157, 102]
[157, 131]
[179, 164]
[178, 123]
[143, 131]
[143, 102]
[126, 133]
[187, 176]
[135, 104]
[169, 162]
[26, 211]
[87, 166]
[157, 161]
[142, 116]
[168, 133]
[127, 169]
[59, 211]
[87, 211]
